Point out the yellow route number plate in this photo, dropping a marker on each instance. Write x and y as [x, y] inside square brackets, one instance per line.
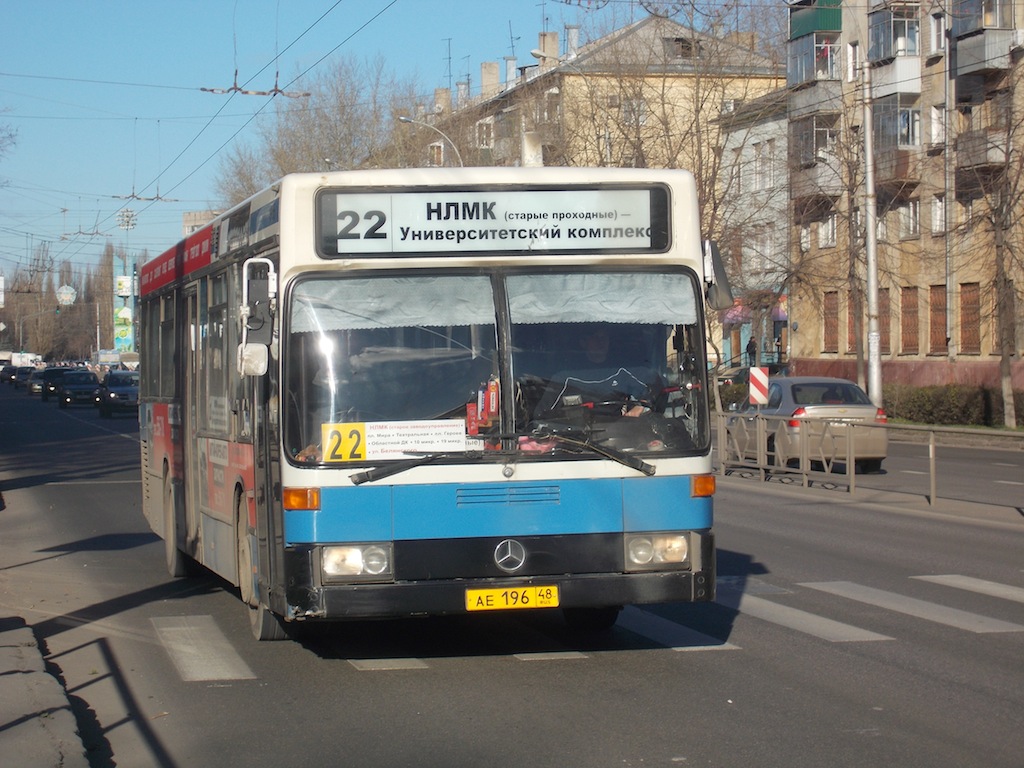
[504, 598]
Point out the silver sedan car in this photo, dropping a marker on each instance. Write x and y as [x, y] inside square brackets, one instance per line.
[826, 420]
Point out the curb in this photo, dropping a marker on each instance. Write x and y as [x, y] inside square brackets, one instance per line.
[37, 724]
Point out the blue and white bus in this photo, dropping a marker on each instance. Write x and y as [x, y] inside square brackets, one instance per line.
[436, 391]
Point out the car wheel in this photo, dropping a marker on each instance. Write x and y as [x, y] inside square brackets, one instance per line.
[869, 466]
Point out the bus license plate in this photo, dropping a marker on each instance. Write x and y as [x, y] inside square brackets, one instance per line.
[505, 598]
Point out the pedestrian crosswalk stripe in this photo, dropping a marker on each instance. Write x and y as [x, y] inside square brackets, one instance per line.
[940, 614]
[669, 633]
[801, 621]
[199, 650]
[980, 586]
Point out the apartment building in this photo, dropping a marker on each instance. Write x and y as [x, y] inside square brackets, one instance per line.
[940, 83]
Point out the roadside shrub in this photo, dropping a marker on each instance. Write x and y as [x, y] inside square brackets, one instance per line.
[953, 404]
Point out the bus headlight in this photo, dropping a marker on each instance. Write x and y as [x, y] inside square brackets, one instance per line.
[356, 561]
[657, 551]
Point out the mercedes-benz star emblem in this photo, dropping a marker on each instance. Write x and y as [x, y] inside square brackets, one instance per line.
[509, 555]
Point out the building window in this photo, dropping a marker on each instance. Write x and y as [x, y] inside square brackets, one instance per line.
[893, 32]
[813, 57]
[737, 170]
[814, 139]
[973, 15]
[485, 135]
[970, 318]
[938, 214]
[830, 325]
[854, 324]
[938, 125]
[682, 48]
[1011, 300]
[897, 120]
[805, 238]
[764, 165]
[909, 330]
[634, 112]
[884, 322]
[937, 319]
[852, 62]
[435, 154]
[827, 231]
[938, 33]
[910, 219]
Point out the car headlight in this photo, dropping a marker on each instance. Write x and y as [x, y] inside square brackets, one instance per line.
[657, 551]
[345, 562]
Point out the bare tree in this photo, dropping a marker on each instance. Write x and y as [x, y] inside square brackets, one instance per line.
[345, 123]
[990, 188]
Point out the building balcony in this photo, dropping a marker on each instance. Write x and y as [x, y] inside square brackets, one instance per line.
[901, 74]
[898, 167]
[981, 150]
[823, 96]
[985, 51]
[821, 180]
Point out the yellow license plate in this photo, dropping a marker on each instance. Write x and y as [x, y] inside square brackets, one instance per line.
[504, 598]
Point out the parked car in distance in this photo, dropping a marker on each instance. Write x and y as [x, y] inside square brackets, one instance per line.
[8, 373]
[77, 385]
[819, 410]
[118, 392]
[741, 374]
[51, 380]
[22, 374]
[35, 382]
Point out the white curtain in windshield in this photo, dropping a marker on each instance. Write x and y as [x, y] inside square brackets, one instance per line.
[397, 302]
[609, 297]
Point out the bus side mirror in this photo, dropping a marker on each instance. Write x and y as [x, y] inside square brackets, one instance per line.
[253, 359]
[719, 292]
[256, 316]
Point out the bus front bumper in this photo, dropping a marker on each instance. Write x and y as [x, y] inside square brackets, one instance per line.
[450, 597]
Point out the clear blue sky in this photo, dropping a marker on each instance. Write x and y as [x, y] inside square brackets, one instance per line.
[105, 95]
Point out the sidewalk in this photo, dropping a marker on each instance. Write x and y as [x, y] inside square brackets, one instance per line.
[37, 726]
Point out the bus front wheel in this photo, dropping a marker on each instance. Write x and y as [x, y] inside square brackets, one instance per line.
[264, 624]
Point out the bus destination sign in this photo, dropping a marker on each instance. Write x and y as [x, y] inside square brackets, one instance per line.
[565, 220]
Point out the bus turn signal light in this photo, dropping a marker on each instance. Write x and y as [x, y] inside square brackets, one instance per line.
[300, 498]
[703, 485]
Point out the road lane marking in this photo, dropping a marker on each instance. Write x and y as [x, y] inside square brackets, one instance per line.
[801, 621]
[921, 609]
[672, 635]
[199, 650]
[381, 665]
[550, 656]
[981, 587]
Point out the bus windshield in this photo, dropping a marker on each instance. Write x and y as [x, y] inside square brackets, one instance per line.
[511, 358]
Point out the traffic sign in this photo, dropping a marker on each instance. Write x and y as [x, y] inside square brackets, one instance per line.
[759, 386]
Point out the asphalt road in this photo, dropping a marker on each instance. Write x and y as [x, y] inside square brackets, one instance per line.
[846, 633]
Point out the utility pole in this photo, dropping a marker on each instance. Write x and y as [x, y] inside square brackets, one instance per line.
[871, 245]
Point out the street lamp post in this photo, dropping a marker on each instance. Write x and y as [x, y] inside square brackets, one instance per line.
[438, 131]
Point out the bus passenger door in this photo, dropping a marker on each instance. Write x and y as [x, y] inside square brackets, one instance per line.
[190, 420]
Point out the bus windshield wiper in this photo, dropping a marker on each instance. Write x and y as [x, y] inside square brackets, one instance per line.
[581, 438]
[387, 470]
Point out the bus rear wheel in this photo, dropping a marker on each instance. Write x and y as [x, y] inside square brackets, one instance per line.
[176, 564]
[262, 621]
